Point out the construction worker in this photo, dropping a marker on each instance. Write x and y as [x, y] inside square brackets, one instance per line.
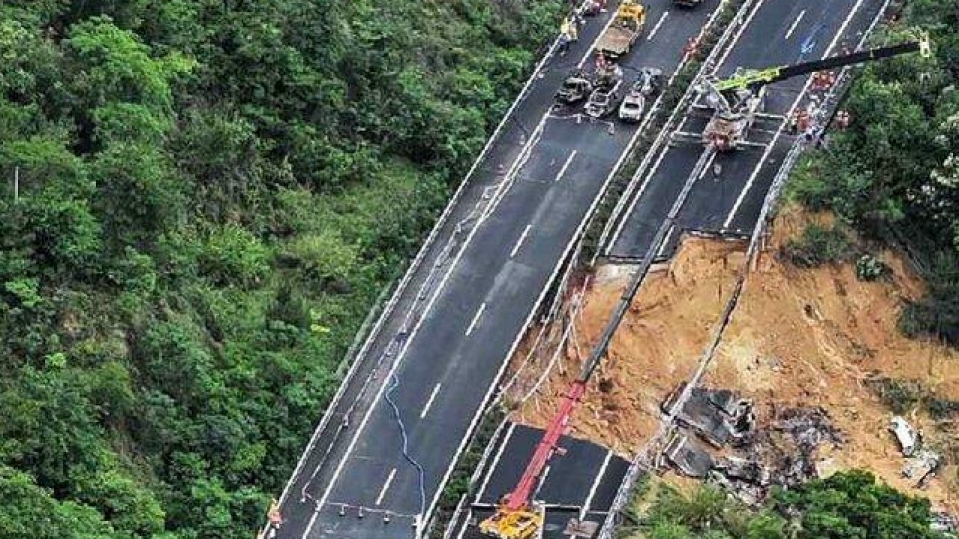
[578, 19]
[793, 125]
[802, 120]
[823, 79]
[565, 36]
[842, 120]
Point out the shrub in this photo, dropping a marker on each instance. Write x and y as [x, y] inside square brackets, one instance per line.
[817, 246]
[899, 395]
[870, 268]
[234, 255]
[937, 313]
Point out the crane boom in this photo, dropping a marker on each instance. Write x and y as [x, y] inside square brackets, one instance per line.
[756, 79]
[515, 517]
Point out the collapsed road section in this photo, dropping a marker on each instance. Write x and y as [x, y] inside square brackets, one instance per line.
[381, 455]
[525, 507]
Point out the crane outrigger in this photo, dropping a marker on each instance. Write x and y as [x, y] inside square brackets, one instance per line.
[734, 99]
[737, 101]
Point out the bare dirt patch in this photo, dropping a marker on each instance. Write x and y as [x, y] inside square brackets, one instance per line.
[658, 345]
[798, 337]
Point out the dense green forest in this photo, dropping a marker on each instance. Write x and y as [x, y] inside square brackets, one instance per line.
[894, 174]
[848, 505]
[211, 195]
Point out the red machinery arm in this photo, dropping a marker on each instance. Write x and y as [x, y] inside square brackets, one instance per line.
[520, 497]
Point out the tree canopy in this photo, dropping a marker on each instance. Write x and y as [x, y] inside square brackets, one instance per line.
[894, 174]
[847, 505]
[211, 194]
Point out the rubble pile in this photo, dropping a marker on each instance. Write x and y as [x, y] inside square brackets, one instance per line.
[921, 463]
[744, 458]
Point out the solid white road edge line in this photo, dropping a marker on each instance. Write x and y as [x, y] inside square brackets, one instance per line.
[662, 248]
[499, 454]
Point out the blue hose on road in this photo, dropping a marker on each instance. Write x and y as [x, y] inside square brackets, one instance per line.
[394, 381]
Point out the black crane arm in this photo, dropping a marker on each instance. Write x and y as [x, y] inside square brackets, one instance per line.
[757, 79]
[848, 59]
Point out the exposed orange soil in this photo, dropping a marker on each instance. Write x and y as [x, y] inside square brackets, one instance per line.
[797, 337]
[658, 345]
[813, 337]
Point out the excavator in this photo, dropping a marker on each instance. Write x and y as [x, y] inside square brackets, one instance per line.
[518, 516]
[736, 102]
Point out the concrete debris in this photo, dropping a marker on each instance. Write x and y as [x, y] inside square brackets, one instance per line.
[748, 470]
[790, 447]
[808, 427]
[719, 416]
[944, 523]
[747, 493]
[576, 528]
[782, 455]
[922, 466]
[906, 436]
[688, 457]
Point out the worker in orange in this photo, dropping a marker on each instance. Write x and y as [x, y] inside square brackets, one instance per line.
[842, 120]
[818, 80]
[799, 123]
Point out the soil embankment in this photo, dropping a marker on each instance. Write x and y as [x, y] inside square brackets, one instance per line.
[798, 337]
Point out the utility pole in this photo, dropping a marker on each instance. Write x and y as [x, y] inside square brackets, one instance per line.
[16, 184]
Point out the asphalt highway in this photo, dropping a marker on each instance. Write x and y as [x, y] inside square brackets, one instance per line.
[728, 204]
[386, 448]
[779, 32]
[581, 484]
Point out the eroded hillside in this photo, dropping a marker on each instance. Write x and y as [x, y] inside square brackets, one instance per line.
[798, 337]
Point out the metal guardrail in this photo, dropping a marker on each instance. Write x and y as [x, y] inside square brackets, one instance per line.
[414, 266]
[606, 242]
[639, 465]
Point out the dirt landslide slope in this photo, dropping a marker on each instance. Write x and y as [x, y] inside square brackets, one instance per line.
[799, 337]
[657, 346]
